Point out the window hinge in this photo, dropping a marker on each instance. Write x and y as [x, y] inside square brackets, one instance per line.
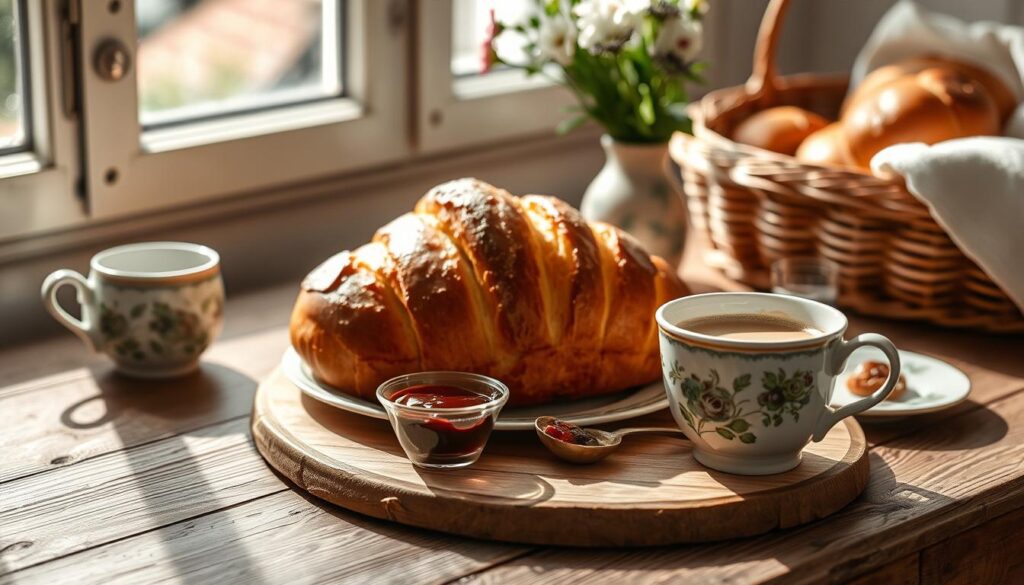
[397, 15]
[70, 44]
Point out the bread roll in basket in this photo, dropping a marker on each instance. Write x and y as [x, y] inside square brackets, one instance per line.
[475, 279]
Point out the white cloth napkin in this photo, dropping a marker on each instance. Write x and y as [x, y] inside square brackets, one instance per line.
[973, 187]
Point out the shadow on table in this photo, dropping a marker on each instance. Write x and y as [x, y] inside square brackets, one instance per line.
[978, 426]
[523, 460]
[968, 425]
[474, 482]
[854, 532]
[123, 398]
[130, 405]
[484, 551]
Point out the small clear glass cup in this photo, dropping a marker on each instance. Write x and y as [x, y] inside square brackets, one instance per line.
[808, 277]
[443, 438]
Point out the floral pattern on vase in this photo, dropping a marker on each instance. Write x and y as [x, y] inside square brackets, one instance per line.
[711, 407]
[633, 191]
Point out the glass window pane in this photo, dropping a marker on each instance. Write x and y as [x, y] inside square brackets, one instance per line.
[206, 58]
[12, 71]
[469, 31]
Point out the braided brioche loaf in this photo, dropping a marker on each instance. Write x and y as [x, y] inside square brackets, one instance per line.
[475, 279]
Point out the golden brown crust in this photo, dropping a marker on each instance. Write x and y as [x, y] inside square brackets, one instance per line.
[973, 109]
[569, 256]
[913, 102]
[349, 326]
[629, 352]
[431, 280]
[494, 236]
[826, 146]
[522, 289]
[780, 129]
[1004, 99]
[573, 288]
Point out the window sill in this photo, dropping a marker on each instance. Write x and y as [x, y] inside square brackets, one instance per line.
[236, 127]
[497, 83]
[418, 170]
[276, 236]
[22, 163]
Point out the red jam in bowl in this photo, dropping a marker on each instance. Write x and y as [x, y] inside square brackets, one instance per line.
[444, 437]
[438, 396]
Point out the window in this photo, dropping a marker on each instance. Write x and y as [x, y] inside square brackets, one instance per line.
[470, 20]
[459, 105]
[39, 151]
[212, 59]
[112, 108]
[235, 95]
[13, 131]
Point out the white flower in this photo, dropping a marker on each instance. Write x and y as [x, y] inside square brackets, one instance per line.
[513, 14]
[605, 24]
[510, 46]
[557, 39]
[679, 40]
[640, 6]
[696, 6]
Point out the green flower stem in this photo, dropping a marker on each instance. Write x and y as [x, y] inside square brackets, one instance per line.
[634, 96]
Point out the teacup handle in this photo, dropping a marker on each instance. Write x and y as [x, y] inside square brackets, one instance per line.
[836, 363]
[83, 328]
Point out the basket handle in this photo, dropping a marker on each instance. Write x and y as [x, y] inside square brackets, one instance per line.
[763, 80]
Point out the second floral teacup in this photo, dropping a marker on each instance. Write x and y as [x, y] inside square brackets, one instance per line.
[750, 405]
[152, 307]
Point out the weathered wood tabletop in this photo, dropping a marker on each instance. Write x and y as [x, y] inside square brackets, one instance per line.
[107, 480]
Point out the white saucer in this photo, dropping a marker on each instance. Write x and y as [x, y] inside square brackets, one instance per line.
[932, 385]
[603, 409]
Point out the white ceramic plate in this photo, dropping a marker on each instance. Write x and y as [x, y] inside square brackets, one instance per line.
[615, 407]
[932, 385]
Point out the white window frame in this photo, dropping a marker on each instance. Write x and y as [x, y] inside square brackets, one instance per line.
[37, 190]
[205, 160]
[455, 113]
[399, 105]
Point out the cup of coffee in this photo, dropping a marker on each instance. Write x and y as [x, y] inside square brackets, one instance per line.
[749, 376]
[153, 307]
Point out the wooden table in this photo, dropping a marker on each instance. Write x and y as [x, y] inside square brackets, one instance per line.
[105, 480]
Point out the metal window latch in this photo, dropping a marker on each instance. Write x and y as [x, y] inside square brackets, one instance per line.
[112, 61]
[70, 40]
[397, 15]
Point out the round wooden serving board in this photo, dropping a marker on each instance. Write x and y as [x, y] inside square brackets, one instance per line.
[650, 492]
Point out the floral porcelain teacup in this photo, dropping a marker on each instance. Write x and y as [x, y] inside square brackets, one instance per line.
[152, 307]
[750, 407]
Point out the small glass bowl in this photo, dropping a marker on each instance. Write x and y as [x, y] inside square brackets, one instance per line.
[808, 277]
[443, 437]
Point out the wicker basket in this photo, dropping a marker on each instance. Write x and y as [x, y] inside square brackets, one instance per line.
[755, 206]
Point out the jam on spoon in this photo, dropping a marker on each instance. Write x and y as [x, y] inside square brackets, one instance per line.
[578, 445]
[569, 433]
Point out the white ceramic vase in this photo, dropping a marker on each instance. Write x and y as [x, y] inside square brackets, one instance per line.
[634, 191]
